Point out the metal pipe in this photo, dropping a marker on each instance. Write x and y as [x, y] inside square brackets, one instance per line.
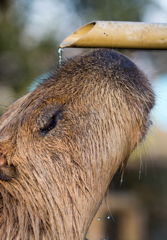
[137, 35]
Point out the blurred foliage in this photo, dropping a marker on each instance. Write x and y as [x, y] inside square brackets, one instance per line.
[20, 59]
[115, 10]
[23, 59]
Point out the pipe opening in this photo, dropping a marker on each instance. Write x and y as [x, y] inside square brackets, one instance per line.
[77, 35]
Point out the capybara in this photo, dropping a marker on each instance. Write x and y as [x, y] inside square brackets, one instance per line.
[61, 144]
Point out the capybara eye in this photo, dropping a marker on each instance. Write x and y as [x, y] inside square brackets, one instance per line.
[49, 121]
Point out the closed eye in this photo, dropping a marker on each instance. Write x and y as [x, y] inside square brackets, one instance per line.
[51, 122]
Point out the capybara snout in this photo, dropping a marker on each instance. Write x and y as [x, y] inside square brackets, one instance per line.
[61, 144]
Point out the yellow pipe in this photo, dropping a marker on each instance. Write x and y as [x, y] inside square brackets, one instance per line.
[119, 35]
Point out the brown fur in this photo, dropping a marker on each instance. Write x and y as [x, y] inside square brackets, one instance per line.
[61, 144]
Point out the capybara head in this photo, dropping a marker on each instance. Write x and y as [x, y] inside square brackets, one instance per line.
[61, 144]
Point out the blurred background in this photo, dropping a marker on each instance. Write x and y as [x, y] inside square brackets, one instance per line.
[30, 33]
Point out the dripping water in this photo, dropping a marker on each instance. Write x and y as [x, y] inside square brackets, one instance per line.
[60, 53]
[140, 169]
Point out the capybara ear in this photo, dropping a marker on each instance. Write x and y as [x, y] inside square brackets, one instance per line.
[7, 172]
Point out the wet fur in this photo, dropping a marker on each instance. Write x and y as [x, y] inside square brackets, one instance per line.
[54, 175]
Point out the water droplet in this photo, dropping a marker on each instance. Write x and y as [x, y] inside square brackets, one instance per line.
[60, 52]
[141, 166]
[99, 218]
[139, 174]
[108, 217]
